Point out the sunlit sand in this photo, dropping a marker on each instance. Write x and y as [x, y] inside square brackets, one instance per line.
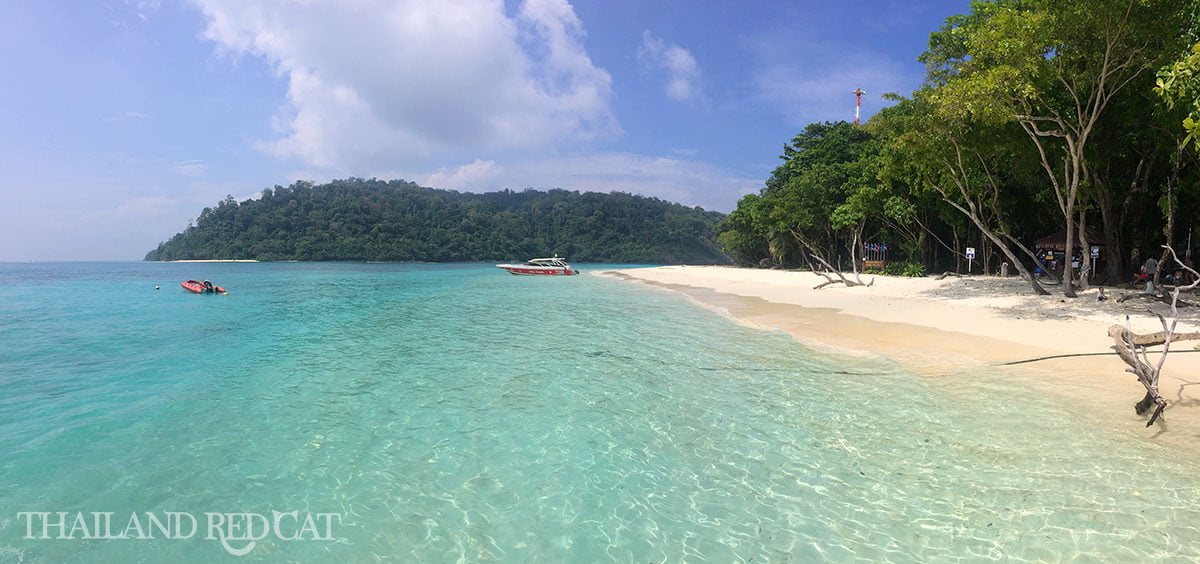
[934, 327]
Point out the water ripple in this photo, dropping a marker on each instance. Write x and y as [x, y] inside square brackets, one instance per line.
[453, 413]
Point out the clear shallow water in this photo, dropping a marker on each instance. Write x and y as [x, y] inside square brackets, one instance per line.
[455, 412]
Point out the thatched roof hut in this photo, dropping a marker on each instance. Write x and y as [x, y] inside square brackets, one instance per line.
[1058, 241]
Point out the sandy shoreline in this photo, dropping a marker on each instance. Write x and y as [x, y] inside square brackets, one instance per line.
[935, 328]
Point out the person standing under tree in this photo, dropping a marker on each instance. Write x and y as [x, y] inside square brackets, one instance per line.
[1149, 268]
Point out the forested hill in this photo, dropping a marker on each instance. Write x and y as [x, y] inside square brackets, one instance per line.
[373, 220]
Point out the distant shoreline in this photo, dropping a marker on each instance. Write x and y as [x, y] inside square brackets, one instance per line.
[212, 260]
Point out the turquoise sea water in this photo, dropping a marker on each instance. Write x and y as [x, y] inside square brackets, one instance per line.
[453, 413]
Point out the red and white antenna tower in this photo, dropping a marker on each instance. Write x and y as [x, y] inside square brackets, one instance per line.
[857, 92]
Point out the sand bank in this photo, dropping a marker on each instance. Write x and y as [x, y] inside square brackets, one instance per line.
[939, 328]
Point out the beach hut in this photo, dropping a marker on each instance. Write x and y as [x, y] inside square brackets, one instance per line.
[1058, 241]
[1052, 249]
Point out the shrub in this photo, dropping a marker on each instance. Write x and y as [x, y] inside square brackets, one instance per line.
[909, 269]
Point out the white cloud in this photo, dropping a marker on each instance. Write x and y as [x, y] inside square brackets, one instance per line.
[382, 83]
[190, 168]
[691, 183]
[683, 73]
[477, 176]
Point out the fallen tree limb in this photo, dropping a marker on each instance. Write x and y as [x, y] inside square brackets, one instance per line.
[1134, 355]
[841, 278]
[1156, 338]
[1164, 299]
[848, 283]
[1132, 348]
[827, 282]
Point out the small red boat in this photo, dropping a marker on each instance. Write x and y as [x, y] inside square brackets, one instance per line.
[204, 287]
[543, 266]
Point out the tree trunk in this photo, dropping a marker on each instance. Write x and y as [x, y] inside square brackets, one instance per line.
[814, 254]
[985, 254]
[1172, 204]
[1086, 253]
[1114, 214]
[957, 256]
[1068, 277]
[1115, 268]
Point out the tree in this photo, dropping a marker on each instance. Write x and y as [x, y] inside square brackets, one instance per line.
[955, 157]
[823, 167]
[743, 233]
[1053, 67]
[1178, 82]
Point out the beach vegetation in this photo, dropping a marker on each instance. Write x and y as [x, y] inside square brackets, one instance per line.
[1035, 116]
[812, 209]
[1053, 67]
[956, 160]
[906, 269]
[1178, 82]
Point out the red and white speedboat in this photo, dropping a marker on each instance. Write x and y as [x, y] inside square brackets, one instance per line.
[541, 266]
[204, 287]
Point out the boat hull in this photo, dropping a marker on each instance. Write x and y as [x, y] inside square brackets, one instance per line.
[198, 287]
[523, 270]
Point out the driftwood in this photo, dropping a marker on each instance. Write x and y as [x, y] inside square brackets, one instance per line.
[945, 274]
[1164, 298]
[841, 278]
[1132, 349]
[1156, 338]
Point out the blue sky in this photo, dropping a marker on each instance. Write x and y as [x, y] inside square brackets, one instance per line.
[121, 120]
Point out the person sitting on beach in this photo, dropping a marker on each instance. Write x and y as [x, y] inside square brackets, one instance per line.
[1101, 297]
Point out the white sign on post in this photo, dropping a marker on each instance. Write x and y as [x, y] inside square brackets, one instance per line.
[970, 256]
[1095, 251]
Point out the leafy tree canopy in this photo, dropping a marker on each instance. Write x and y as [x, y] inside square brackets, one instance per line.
[372, 220]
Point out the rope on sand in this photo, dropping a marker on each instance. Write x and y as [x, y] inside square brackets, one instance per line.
[1077, 354]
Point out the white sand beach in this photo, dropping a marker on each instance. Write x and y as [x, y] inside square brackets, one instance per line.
[936, 327]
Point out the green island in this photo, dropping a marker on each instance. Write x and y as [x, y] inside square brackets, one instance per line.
[373, 220]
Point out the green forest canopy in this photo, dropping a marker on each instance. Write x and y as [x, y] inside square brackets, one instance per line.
[1036, 116]
[373, 220]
